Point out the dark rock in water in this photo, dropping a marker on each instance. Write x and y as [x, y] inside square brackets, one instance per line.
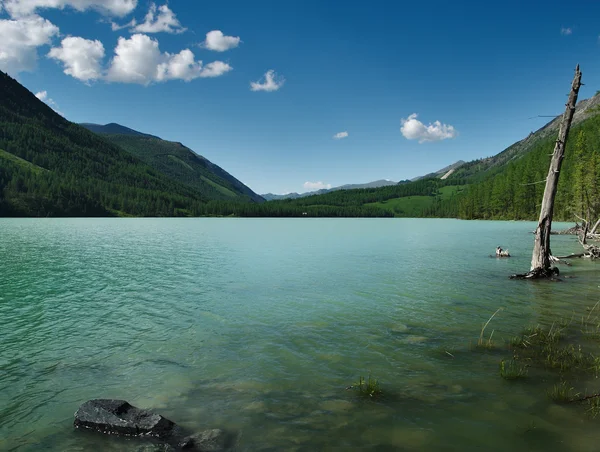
[119, 417]
[206, 441]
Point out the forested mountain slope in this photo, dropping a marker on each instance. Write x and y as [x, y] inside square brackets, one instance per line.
[508, 185]
[178, 162]
[478, 168]
[516, 191]
[52, 167]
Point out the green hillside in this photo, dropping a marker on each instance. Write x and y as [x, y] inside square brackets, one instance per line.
[52, 167]
[506, 186]
[423, 205]
[515, 192]
[179, 163]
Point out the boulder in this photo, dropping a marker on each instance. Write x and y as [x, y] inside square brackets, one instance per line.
[119, 417]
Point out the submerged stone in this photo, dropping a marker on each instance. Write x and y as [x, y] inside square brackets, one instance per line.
[119, 417]
[414, 340]
[206, 441]
[155, 448]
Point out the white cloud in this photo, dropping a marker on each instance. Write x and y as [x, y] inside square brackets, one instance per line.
[116, 27]
[272, 82]
[217, 41]
[215, 69]
[43, 96]
[340, 135]
[139, 60]
[158, 20]
[413, 129]
[566, 31]
[19, 40]
[82, 58]
[20, 8]
[311, 186]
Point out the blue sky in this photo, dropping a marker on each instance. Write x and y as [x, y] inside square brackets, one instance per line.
[480, 69]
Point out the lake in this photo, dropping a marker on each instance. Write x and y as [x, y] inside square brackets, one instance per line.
[258, 326]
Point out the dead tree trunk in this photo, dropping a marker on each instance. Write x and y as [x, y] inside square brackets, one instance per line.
[595, 228]
[584, 233]
[540, 261]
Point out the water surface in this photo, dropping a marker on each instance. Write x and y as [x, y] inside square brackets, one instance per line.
[257, 326]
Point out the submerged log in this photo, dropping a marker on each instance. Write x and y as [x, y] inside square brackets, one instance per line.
[591, 252]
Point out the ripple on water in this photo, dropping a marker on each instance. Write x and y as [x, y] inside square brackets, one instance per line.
[259, 326]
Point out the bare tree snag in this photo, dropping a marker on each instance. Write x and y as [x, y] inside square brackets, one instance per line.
[595, 228]
[584, 235]
[540, 260]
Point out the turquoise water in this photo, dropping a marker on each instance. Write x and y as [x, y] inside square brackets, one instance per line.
[257, 326]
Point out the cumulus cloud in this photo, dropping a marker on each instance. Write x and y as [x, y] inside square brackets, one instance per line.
[43, 96]
[566, 31]
[413, 129]
[217, 41]
[21, 8]
[81, 58]
[157, 20]
[340, 135]
[139, 60]
[19, 40]
[272, 82]
[311, 186]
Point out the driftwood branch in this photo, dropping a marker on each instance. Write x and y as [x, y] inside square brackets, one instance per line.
[570, 256]
[583, 399]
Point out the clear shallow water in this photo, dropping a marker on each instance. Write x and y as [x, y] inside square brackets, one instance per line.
[257, 326]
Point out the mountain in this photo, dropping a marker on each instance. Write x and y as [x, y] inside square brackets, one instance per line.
[52, 167]
[506, 186]
[374, 184]
[274, 197]
[443, 173]
[512, 185]
[585, 109]
[178, 162]
[115, 129]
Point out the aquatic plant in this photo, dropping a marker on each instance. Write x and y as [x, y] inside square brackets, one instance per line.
[483, 343]
[593, 406]
[512, 369]
[368, 388]
[566, 358]
[556, 348]
[562, 393]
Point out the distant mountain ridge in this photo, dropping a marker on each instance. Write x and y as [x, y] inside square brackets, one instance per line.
[443, 173]
[178, 162]
[374, 184]
[505, 186]
[114, 128]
